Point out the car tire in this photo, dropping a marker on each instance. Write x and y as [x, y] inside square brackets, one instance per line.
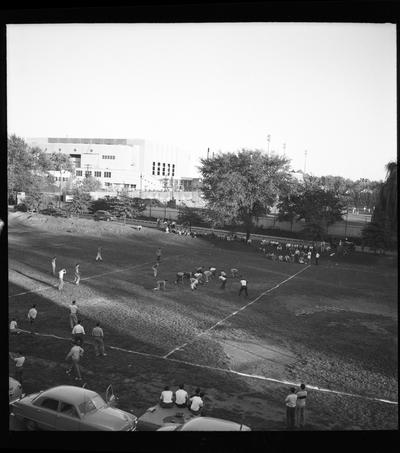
[30, 425]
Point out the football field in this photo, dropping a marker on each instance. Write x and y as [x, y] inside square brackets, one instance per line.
[331, 326]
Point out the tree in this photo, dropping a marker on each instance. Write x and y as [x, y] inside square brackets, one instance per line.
[62, 163]
[385, 214]
[319, 207]
[88, 184]
[242, 186]
[34, 201]
[80, 203]
[287, 209]
[375, 236]
[27, 168]
[126, 207]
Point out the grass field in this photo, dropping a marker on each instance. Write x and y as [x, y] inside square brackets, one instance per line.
[333, 326]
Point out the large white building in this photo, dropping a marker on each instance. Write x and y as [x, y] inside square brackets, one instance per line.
[122, 163]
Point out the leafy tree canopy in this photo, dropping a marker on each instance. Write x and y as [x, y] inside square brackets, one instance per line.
[244, 185]
[88, 184]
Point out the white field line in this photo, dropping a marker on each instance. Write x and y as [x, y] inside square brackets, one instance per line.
[227, 370]
[43, 288]
[235, 312]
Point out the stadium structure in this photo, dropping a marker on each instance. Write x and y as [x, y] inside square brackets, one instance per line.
[121, 163]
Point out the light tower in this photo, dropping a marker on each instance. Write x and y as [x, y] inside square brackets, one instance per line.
[305, 161]
[268, 141]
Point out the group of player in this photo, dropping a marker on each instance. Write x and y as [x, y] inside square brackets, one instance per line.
[200, 276]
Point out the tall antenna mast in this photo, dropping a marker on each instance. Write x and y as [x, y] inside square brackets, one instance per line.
[305, 160]
[208, 153]
[268, 140]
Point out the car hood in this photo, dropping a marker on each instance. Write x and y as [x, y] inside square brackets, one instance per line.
[111, 419]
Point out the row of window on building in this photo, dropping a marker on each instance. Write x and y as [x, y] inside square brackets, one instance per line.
[97, 174]
[166, 169]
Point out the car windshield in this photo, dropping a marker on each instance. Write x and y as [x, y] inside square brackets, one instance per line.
[91, 404]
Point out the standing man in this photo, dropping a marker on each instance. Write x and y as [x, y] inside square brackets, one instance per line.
[290, 401]
[32, 313]
[158, 254]
[98, 337]
[53, 265]
[78, 333]
[61, 274]
[301, 406]
[316, 258]
[19, 361]
[243, 286]
[73, 318]
[98, 256]
[77, 275]
[76, 352]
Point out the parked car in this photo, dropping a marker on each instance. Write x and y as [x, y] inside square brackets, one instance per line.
[156, 416]
[71, 408]
[21, 207]
[103, 215]
[14, 389]
[205, 424]
[56, 212]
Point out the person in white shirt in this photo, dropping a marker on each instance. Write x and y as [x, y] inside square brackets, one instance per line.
[78, 333]
[316, 258]
[193, 283]
[61, 274]
[166, 398]
[75, 353]
[14, 327]
[53, 266]
[243, 286]
[213, 270]
[290, 401]
[196, 404]
[181, 396]
[160, 283]
[98, 256]
[155, 269]
[32, 313]
[98, 337]
[73, 318]
[301, 406]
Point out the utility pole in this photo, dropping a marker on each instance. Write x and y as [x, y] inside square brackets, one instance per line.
[305, 161]
[284, 149]
[140, 191]
[208, 153]
[268, 142]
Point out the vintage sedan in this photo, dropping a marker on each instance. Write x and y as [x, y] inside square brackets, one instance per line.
[205, 424]
[71, 408]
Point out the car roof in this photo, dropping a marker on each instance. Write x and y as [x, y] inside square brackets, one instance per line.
[212, 424]
[69, 394]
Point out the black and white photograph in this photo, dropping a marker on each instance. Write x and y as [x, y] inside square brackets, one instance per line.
[202, 226]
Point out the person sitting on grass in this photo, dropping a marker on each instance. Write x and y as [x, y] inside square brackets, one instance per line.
[181, 397]
[166, 398]
[160, 283]
[14, 327]
[196, 403]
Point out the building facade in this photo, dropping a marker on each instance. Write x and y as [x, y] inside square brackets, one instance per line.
[133, 164]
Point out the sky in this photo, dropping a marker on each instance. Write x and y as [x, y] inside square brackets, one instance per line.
[325, 88]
